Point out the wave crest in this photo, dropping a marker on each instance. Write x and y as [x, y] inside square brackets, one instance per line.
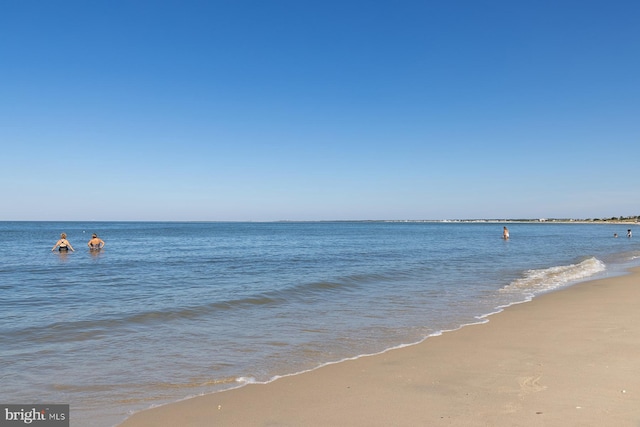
[548, 279]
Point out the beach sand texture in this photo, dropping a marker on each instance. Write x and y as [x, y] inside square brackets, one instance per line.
[568, 358]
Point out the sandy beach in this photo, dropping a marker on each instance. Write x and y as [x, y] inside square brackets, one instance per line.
[568, 358]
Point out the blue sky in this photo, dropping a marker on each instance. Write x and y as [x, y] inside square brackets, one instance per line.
[318, 110]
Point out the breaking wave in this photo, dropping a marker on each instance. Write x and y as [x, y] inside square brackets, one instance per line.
[547, 279]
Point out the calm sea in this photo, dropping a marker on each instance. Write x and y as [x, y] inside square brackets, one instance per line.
[170, 310]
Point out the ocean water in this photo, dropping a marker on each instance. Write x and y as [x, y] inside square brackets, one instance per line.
[171, 310]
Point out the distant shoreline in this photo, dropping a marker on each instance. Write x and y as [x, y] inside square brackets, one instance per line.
[551, 220]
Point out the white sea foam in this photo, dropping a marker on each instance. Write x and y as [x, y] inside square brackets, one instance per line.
[547, 279]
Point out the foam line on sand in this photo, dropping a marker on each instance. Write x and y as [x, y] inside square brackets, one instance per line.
[567, 358]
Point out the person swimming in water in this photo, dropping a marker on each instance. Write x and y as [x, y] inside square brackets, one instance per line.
[505, 233]
[95, 243]
[63, 244]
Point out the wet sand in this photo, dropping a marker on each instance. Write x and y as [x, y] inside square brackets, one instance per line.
[568, 358]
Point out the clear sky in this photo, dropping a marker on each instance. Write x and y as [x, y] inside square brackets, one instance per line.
[317, 110]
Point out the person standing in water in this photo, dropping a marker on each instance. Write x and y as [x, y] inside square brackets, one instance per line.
[505, 233]
[629, 233]
[95, 243]
[63, 244]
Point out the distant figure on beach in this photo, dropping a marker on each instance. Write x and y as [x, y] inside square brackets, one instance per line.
[63, 244]
[629, 233]
[505, 233]
[95, 243]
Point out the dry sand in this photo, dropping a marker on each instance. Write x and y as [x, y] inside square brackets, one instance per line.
[568, 358]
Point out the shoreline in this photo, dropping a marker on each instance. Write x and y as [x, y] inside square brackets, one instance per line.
[568, 357]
